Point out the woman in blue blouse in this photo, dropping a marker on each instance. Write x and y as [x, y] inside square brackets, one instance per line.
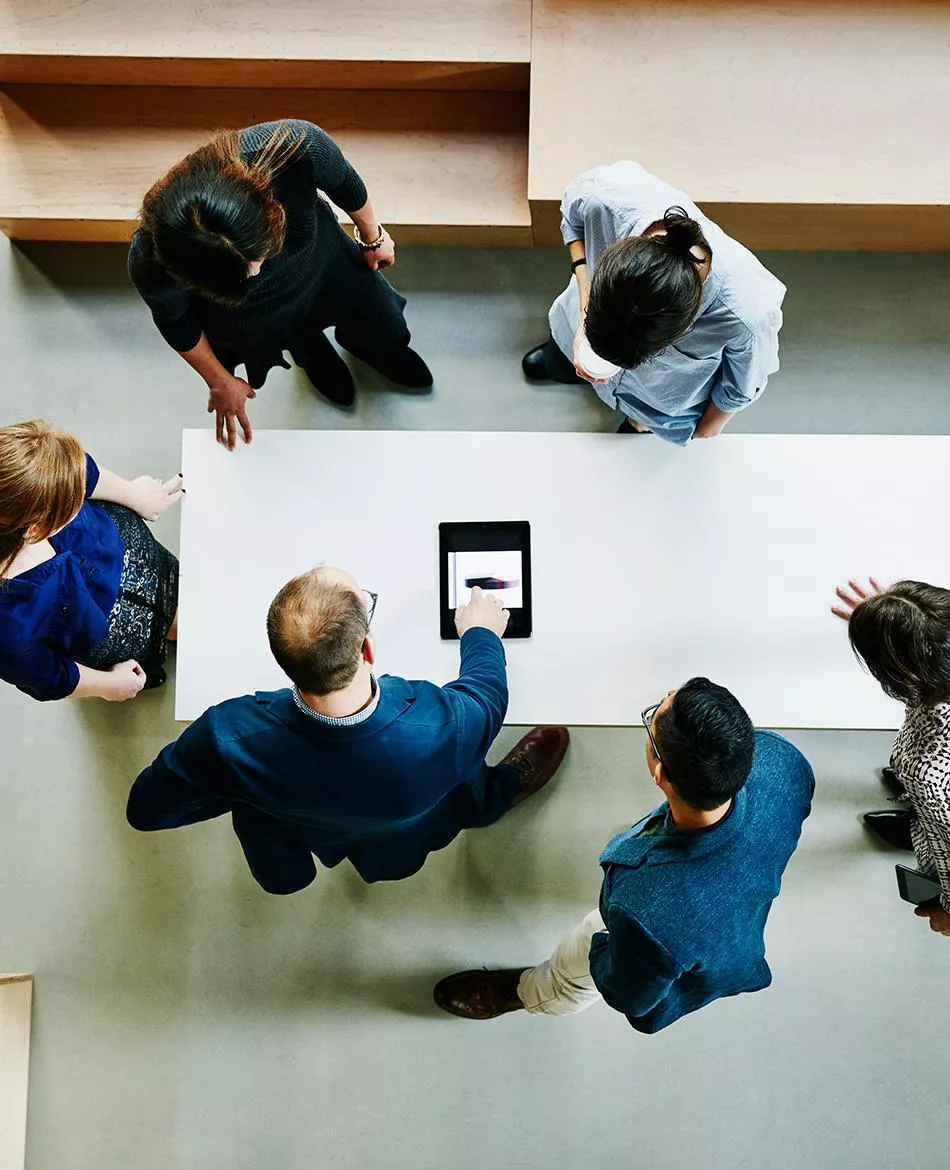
[88, 597]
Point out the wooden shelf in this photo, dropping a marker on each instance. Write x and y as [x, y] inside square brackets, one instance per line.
[16, 999]
[799, 124]
[315, 44]
[441, 167]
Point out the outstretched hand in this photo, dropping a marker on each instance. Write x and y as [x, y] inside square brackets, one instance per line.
[854, 595]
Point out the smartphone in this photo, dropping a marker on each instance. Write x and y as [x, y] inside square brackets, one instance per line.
[915, 886]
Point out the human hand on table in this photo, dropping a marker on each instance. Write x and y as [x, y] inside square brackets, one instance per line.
[150, 497]
[482, 611]
[226, 398]
[939, 918]
[853, 599]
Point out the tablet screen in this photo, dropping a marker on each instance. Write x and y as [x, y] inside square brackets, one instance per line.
[494, 556]
[495, 570]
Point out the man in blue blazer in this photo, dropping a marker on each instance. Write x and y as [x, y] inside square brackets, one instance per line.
[686, 891]
[343, 765]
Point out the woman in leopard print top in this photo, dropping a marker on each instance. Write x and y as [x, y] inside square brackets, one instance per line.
[902, 635]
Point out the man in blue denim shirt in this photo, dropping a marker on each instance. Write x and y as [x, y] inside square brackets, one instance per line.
[380, 772]
[686, 891]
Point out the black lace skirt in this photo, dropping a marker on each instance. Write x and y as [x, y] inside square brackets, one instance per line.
[147, 601]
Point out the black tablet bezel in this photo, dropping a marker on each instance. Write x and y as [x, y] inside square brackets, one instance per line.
[522, 620]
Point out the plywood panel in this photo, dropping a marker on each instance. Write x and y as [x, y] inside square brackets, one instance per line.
[16, 998]
[804, 227]
[70, 69]
[295, 30]
[761, 104]
[88, 154]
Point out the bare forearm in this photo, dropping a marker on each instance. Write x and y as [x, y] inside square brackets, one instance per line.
[203, 361]
[115, 490]
[366, 222]
[93, 684]
[577, 252]
[715, 417]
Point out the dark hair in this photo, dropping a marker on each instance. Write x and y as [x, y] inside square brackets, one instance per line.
[706, 741]
[316, 630]
[903, 637]
[214, 213]
[645, 292]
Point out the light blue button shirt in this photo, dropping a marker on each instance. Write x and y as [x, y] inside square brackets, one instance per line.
[732, 346]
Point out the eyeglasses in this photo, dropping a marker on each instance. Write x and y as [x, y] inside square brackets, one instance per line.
[647, 715]
[372, 598]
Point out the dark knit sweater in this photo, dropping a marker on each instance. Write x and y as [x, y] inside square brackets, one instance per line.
[280, 296]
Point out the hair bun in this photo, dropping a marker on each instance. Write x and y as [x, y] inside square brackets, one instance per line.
[683, 233]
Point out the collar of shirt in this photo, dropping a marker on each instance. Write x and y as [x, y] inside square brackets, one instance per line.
[341, 720]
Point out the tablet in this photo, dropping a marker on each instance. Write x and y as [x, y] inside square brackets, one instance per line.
[495, 555]
[915, 886]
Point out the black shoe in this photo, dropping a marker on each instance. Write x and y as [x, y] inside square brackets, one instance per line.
[327, 371]
[546, 363]
[893, 783]
[401, 365]
[892, 827]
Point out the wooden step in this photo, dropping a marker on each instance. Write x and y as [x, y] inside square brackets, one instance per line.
[16, 999]
[378, 44]
[440, 167]
[796, 124]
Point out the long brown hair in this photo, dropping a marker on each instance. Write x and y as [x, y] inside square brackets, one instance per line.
[903, 638]
[214, 213]
[42, 484]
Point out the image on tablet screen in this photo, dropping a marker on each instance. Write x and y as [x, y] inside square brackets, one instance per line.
[498, 573]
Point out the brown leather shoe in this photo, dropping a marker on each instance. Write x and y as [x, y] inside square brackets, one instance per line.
[479, 995]
[537, 757]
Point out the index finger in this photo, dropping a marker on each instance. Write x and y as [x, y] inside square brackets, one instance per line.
[876, 585]
[229, 423]
[219, 426]
[173, 484]
[245, 425]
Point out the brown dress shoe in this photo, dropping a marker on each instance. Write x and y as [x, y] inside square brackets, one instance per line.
[479, 995]
[537, 757]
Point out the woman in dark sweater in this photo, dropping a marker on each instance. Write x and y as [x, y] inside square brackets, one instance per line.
[240, 258]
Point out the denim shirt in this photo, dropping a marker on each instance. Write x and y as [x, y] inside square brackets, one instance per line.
[52, 615]
[686, 910]
[731, 348]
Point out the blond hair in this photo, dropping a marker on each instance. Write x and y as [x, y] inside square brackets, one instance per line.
[42, 484]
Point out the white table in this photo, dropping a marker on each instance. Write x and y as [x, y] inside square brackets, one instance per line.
[650, 563]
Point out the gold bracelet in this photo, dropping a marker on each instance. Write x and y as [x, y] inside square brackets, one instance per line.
[371, 247]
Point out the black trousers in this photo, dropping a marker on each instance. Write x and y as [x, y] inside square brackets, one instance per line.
[366, 311]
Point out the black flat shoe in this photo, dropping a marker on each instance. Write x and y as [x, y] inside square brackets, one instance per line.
[892, 782]
[402, 366]
[534, 366]
[546, 363]
[891, 827]
[327, 371]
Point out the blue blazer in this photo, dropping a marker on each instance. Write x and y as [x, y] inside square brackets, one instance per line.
[383, 793]
[685, 911]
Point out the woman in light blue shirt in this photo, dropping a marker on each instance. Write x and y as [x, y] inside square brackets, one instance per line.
[673, 322]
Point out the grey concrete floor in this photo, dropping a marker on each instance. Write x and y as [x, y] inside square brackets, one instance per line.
[185, 1019]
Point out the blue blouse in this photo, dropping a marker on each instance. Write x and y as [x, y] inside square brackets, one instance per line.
[54, 614]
